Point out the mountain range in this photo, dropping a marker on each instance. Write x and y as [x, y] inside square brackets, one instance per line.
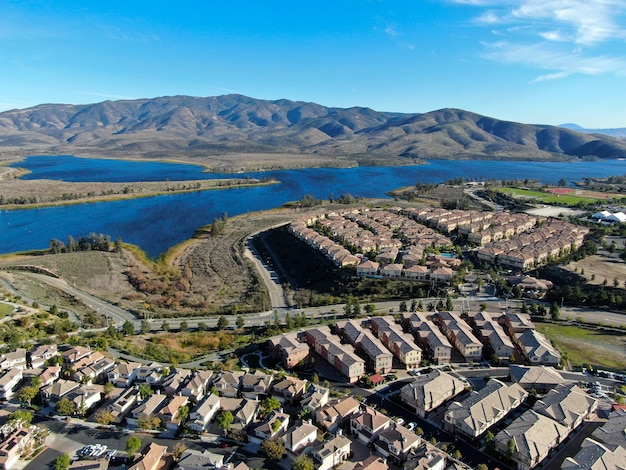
[226, 124]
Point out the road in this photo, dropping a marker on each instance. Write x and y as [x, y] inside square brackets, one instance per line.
[271, 279]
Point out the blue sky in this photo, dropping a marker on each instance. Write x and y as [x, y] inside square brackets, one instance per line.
[533, 61]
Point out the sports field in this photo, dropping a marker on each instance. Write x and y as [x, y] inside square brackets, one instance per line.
[564, 196]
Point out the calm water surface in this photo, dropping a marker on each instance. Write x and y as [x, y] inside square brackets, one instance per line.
[159, 222]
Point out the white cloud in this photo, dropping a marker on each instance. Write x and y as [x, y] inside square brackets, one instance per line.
[563, 36]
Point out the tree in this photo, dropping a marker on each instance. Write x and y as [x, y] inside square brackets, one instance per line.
[240, 322]
[178, 451]
[145, 327]
[184, 325]
[22, 417]
[456, 454]
[449, 304]
[403, 306]
[269, 404]
[148, 422]
[62, 462]
[26, 394]
[133, 444]
[145, 391]
[419, 431]
[369, 308]
[273, 448]
[225, 420]
[554, 311]
[482, 466]
[510, 448]
[107, 388]
[222, 322]
[303, 462]
[490, 440]
[165, 326]
[128, 328]
[103, 417]
[183, 412]
[66, 407]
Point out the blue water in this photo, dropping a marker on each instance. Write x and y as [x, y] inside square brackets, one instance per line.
[157, 223]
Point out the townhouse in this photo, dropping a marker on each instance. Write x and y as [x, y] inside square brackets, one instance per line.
[566, 404]
[342, 357]
[289, 349]
[596, 455]
[434, 343]
[379, 358]
[401, 344]
[477, 412]
[460, 335]
[429, 391]
[541, 379]
[537, 348]
[529, 439]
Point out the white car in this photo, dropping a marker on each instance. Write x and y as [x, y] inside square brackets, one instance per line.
[411, 426]
[400, 421]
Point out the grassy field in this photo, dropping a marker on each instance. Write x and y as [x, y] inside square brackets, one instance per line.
[583, 346]
[548, 198]
[5, 309]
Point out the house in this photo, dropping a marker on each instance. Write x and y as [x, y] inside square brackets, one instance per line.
[300, 436]
[567, 404]
[149, 407]
[227, 384]
[333, 414]
[13, 360]
[460, 335]
[392, 270]
[75, 354]
[204, 413]
[315, 397]
[173, 383]
[399, 343]
[367, 423]
[596, 455]
[289, 349]
[289, 390]
[94, 370]
[256, 384]
[331, 453]
[150, 458]
[151, 373]
[52, 393]
[13, 445]
[396, 443]
[198, 386]
[85, 397]
[124, 374]
[481, 409]
[537, 348]
[367, 268]
[373, 462]
[541, 379]
[379, 358]
[9, 381]
[499, 343]
[341, 356]
[427, 457]
[97, 464]
[518, 323]
[41, 353]
[533, 436]
[272, 425]
[244, 411]
[122, 405]
[196, 460]
[170, 413]
[435, 344]
[429, 391]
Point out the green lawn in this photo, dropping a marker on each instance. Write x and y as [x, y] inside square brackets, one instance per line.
[585, 346]
[5, 309]
[547, 198]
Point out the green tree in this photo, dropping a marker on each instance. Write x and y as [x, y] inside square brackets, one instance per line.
[419, 431]
[184, 326]
[103, 417]
[145, 391]
[554, 311]
[222, 322]
[303, 462]
[225, 420]
[128, 328]
[269, 404]
[183, 412]
[482, 466]
[133, 444]
[165, 326]
[449, 304]
[276, 425]
[369, 308]
[510, 448]
[62, 462]
[107, 388]
[240, 322]
[26, 394]
[273, 448]
[403, 306]
[490, 440]
[23, 417]
[148, 422]
[456, 454]
[145, 327]
[178, 451]
[66, 407]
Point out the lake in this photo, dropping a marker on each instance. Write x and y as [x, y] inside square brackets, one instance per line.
[157, 223]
